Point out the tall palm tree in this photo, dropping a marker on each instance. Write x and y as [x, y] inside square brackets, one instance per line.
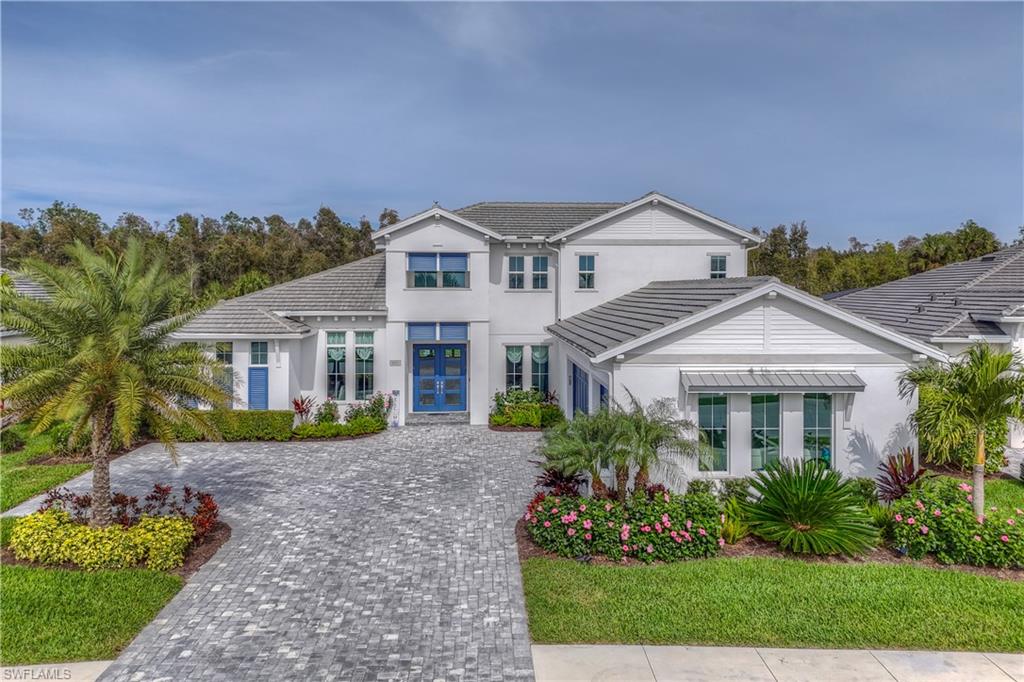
[654, 428]
[968, 393]
[100, 356]
[586, 444]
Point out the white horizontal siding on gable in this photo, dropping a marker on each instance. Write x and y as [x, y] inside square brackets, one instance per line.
[737, 331]
[794, 328]
[649, 222]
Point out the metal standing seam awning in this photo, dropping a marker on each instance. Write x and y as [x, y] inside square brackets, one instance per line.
[781, 382]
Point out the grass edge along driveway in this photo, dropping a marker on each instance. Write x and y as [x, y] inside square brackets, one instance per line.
[773, 603]
[20, 481]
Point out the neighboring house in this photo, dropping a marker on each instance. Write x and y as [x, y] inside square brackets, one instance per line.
[953, 307]
[25, 287]
[591, 301]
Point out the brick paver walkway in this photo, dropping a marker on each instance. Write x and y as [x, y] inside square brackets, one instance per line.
[386, 558]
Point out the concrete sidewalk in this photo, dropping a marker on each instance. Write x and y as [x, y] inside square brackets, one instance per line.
[82, 671]
[586, 663]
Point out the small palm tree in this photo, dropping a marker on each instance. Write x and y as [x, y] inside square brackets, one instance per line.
[968, 393]
[653, 429]
[588, 443]
[100, 356]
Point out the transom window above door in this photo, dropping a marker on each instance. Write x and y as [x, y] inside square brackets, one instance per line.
[438, 270]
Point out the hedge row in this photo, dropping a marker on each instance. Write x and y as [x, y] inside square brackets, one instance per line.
[235, 425]
[358, 426]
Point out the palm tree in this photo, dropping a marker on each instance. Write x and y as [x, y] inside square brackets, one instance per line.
[967, 394]
[650, 430]
[588, 443]
[100, 356]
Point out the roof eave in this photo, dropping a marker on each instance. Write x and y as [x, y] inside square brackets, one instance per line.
[437, 213]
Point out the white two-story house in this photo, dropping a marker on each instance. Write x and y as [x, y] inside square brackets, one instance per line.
[591, 301]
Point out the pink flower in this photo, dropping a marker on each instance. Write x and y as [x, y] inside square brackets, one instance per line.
[534, 520]
[721, 542]
[588, 524]
[911, 521]
[977, 538]
[583, 507]
[547, 524]
[650, 549]
[687, 536]
[702, 531]
[666, 497]
[924, 529]
[588, 536]
[634, 548]
[664, 519]
[919, 504]
[646, 529]
[554, 510]
[611, 524]
[625, 548]
[937, 512]
[608, 507]
[689, 523]
[657, 526]
[668, 524]
[898, 517]
[981, 519]
[970, 498]
[1004, 538]
[677, 538]
[571, 532]
[1010, 521]
[965, 487]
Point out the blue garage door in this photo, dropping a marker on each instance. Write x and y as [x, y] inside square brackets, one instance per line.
[257, 388]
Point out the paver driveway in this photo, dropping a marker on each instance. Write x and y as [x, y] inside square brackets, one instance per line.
[391, 557]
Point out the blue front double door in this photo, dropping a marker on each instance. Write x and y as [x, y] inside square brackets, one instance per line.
[439, 377]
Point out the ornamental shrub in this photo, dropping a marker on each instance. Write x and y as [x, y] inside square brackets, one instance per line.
[377, 406]
[806, 507]
[10, 441]
[550, 414]
[937, 518]
[327, 413]
[703, 486]
[525, 409]
[961, 456]
[666, 528]
[243, 425]
[52, 537]
[735, 488]
[358, 426]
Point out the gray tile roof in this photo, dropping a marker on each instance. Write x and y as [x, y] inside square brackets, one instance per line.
[533, 219]
[26, 287]
[646, 310]
[727, 382]
[356, 286]
[947, 301]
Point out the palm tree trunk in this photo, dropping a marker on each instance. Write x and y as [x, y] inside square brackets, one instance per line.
[597, 486]
[979, 476]
[102, 430]
[642, 479]
[621, 481]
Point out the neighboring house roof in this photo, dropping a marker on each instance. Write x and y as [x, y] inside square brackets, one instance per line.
[959, 301]
[26, 287]
[745, 382]
[525, 219]
[354, 287]
[660, 308]
[646, 310]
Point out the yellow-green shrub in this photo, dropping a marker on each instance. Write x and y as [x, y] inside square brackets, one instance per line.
[51, 537]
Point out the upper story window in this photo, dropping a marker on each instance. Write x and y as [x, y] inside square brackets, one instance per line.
[258, 353]
[516, 272]
[587, 272]
[540, 272]
[718, 267]
[433, 270]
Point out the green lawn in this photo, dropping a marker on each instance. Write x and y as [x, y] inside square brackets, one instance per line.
[1007, 494]
[20, 481]
[55, 616]
[772, 602]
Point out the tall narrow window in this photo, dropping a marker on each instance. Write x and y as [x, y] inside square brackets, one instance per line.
[516, 272]
[765, 442]
[258, 353]
[364, 365]
[225, 356]
[718, 267]
[513, 366]
[336, 365]
[540, 272]
[818, 427]
[602, 397]
[539, 374]
[713, 421]
[587, 272]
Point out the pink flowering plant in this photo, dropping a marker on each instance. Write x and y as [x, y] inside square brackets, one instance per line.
[665, 527]
[944, 525]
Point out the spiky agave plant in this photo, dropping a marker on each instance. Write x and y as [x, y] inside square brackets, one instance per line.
[807, 508]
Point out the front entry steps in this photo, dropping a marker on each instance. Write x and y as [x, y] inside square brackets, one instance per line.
[434, 418]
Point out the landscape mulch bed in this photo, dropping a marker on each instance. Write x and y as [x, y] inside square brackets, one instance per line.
[755, 547]
[197, 555]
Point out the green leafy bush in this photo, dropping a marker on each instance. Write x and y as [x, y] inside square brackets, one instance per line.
[327, 413]
[881, 516]
[525, 409]
[377, 406]
[937, 518]
[11, 440]
[359, 426]
[867, 489]
[807, 508]
[240, 425]
[665, 528]
[550, 414]
[51, 537]
[701, 486]
[961, 456]
[734, 523]
[735, 488]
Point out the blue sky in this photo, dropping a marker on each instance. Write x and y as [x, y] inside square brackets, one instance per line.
[874, 120]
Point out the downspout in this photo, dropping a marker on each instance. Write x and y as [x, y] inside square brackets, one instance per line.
[558, 280]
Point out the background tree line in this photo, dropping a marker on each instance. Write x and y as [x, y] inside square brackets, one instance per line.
[234, 255]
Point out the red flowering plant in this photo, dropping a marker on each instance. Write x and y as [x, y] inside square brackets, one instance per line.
[938, 519]
[664, 528]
